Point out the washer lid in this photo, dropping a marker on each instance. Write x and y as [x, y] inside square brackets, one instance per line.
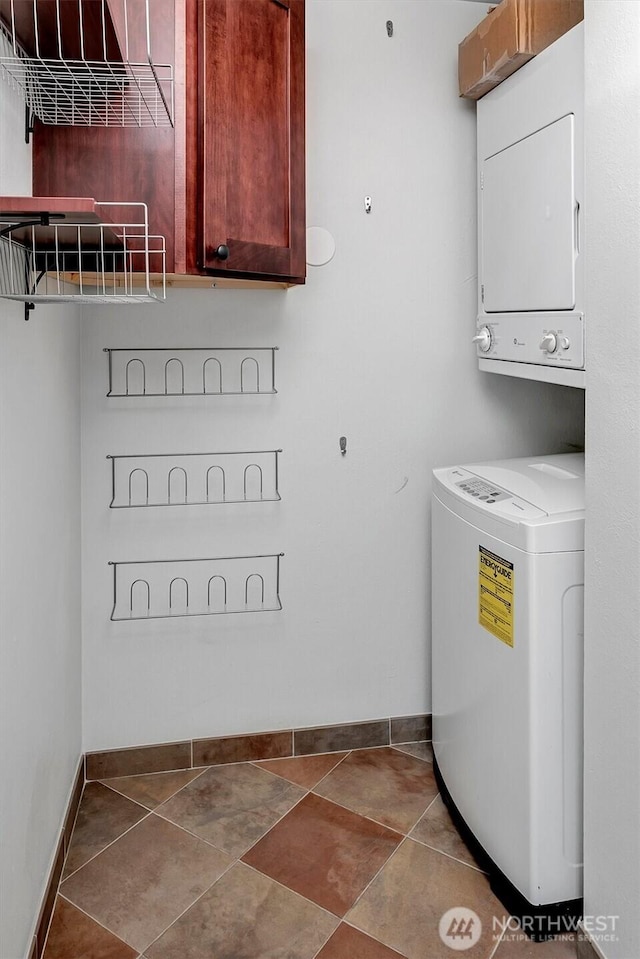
[553, 484]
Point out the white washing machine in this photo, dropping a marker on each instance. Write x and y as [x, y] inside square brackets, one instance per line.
[507, 603]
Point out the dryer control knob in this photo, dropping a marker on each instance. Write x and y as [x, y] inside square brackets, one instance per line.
[483, 339]
[549, 343]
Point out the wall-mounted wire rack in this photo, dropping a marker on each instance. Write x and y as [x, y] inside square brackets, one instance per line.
[192, 371]
[165, 589]
[55, 249]
[86, 62]
[194, 479]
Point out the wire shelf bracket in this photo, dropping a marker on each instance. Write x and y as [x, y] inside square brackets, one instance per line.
[194, 479]
[169, 589]
[75, 249]
[29, 123]
[191, 371]
[86, 62]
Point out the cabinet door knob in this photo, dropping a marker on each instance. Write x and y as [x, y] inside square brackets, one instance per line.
[222, 252]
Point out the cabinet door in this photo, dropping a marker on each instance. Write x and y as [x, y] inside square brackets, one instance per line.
[251, 147]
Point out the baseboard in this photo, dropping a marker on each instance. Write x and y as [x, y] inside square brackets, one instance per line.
[586, 949]
[53, 880]
[251, 747]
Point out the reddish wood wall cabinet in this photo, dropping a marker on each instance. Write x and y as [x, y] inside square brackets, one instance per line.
[251, 148]
[226, 185]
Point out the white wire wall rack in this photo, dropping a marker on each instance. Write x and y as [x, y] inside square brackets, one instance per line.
[166, 589]
[194, 479]
[86, 62]
[192, 371]
[77, 249]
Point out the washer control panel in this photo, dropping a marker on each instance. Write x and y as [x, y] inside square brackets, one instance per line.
[479, 493]
[479, 489]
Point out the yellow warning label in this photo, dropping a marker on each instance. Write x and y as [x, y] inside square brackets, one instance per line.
[495, 595]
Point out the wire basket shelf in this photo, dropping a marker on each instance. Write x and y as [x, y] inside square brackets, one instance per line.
[103, 257]
[191, 371]
[194, 479]
[86, 62]
[167, 589]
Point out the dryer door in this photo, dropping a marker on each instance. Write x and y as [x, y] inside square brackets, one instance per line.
[529, 212]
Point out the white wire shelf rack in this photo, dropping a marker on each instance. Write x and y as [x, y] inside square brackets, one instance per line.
[191, 371]
[194, 479]
[86, 62]
[75, 249]
[173, 588]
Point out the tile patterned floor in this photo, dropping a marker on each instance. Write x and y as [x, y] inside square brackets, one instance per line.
[348, 855]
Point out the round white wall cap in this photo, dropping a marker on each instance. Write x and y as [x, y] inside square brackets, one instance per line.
[321, 246]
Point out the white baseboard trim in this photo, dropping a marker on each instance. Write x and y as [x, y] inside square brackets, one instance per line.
[587, 948]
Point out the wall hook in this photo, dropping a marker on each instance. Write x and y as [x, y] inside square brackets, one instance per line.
[343, 445]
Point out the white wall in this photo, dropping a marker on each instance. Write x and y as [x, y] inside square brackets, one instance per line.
[612, 637]
[375, 347]
[40, 650]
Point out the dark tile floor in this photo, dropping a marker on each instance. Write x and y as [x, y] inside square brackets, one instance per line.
[346, 855]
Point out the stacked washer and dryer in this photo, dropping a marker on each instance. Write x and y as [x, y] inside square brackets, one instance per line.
[508, 536]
